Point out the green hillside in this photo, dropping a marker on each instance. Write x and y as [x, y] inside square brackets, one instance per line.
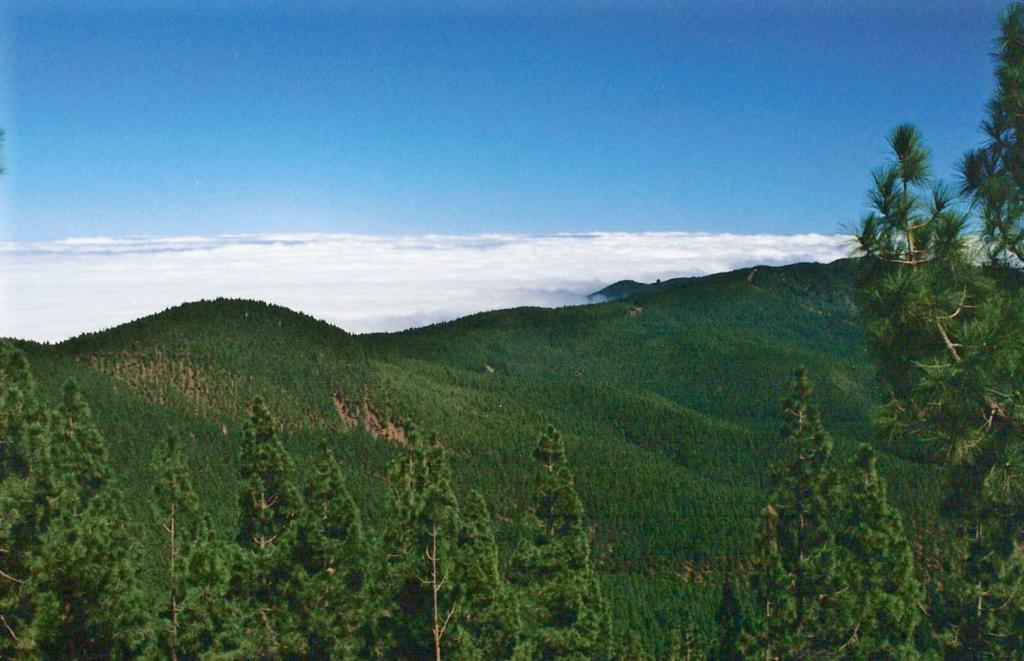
[616, 291]
[668, 400]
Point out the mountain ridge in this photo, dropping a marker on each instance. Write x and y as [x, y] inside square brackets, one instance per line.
[616, 291]
[668, 401]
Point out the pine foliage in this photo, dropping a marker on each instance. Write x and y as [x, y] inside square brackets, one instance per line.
[490, 625]
[834, 572]
[887, 595]
[185, 525]
[947, 328]
[269, 502]
[993, 174]
[688, 643]
[22, 439]
[422, 609]
[211, 622]
[803, 590]
[331, 565]
[552, 567]
[85, 598]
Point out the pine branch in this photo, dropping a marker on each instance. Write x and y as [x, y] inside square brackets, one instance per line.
[7, 627]
[4, 574]
[949, 343]
[446, 619]
[853, 639]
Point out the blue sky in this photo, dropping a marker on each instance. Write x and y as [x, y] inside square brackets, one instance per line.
[474, 117]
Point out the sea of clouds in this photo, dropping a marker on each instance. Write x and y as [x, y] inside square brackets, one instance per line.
[53, 290]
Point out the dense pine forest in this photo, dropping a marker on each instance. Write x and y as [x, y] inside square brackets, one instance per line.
[810, 461]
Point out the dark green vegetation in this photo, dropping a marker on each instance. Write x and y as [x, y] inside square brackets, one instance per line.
[667, 403]
[388, 496]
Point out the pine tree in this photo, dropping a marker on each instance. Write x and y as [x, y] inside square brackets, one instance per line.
[330, 576]
[269, 503]
[993, 175]
[211, 622]
[490, 624]
[269, 499]
[70, 575]
[882, 581]
[802, 591]
[22, 437]
[562, 602]
[176, 507]
[86, 599]
[78, 466]
[989, 475]
[421, 602]
[947, 329]
[771, 631]
[20, 414]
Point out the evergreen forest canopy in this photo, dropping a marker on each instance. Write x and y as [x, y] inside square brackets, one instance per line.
[247, 482]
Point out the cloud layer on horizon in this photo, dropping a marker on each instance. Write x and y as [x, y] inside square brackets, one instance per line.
[53, 290]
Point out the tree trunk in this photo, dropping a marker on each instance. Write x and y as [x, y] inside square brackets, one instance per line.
[435, 588]
[436, 583]
[174, 584]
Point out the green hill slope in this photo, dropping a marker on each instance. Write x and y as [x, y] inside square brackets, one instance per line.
[668, 399]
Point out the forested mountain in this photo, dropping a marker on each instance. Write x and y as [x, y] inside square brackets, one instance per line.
[801, 462]
[667, 401]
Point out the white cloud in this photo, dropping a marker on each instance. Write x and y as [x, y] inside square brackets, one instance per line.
[56, 289]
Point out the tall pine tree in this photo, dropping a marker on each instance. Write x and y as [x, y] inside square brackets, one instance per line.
[176, 508]
[269, 502]
[771, 631]
[888, 596]
[562, 602]
[993, 178]
[85, 596]
[947, 331]
[490, 625]
[630, 647]
[330, 578]
[802, 591]
[993, 174]
[421, 603]
[22, 438]
[212, 621]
